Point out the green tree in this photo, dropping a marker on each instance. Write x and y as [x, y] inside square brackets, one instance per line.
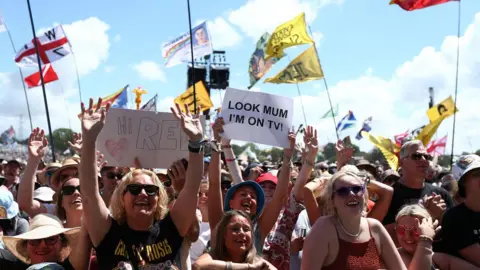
[374, 155]
[444, 161]
[477, 152]
[61, 137]
[329, 152]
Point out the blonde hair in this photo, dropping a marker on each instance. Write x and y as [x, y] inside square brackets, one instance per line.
[329, 190]
[412, 210]
[117, 205]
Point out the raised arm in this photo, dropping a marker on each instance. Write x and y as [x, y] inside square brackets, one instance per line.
[343, 154]
[422, 259]
[385, 194]
[273, 208]
[311, 192]
[311, 143]
[97, 219]
[232, 164]
[37, 144]
[183, 211]
[215, 203]
[389, 253]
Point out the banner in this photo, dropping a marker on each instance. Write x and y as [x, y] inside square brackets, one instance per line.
[445, 108]
[429, 130]
[258, 66]
[52, 46]
[155, 138]
[386, 146]
[49, 75]
[257, 117]
[178, 50]
[203, 99]
[303, 68]
[291, 33]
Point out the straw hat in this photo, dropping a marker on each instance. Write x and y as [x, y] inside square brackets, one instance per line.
[41, 226]
[66, 163]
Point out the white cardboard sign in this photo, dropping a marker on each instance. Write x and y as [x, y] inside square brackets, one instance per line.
[155, 138]
[257, 117]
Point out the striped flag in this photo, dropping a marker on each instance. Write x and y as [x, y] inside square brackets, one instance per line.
[437, 147]
[365, 127]
[348, 121]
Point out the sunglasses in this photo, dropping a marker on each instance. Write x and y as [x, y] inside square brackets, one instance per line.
[167, 183]
[136, 189]
[112, 175]
[69, 190]
[402, 230]
[418, 156]
[50, 241]
[226, 185]
[345, 191]
[64, 177]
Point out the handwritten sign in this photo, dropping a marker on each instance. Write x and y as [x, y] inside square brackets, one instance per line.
[257, 117]
[156, 139]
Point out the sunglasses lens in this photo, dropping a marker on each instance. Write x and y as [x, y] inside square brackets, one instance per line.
[167, 183]
[357, 190]
[35, 242]
[401, 230]
[151, 190]
[134, 189]
[51, 240]
[343, 191]
[68, 190]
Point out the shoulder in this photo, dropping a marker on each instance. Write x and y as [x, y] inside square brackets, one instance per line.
[323, 226]
[376, 227]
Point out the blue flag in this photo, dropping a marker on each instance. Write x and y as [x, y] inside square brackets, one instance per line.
[121, 102]
[348, 121]
[365, 127]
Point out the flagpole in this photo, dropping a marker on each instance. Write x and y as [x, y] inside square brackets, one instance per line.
[326, 87]
[193, 60]
[35, 40]
[456, 78]
[21, 76]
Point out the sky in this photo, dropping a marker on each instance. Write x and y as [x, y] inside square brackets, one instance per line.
[378, 59]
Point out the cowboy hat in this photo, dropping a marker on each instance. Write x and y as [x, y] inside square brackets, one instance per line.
[41, 226]
[66, 163]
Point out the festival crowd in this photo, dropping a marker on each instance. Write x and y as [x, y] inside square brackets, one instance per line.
[216, 212]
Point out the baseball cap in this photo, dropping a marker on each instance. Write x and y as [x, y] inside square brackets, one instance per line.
[462, 166]
[264, 177]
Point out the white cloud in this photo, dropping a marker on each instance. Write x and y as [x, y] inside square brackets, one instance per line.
[150, 70]
[222, 33]
[117, 38]
[317, 37]
[109, 69]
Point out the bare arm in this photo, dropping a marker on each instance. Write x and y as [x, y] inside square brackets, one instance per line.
[385, 194]
[449, 262]
[215, 203]
[311, 143]
[422, 259]
[232, 162]
[272, 210]
[471, 253]
[97, 219]
[183, 212]
[388, 253]
[310, 200]
[315, 252]
[206, 262]
[80, 257]
[36, 144]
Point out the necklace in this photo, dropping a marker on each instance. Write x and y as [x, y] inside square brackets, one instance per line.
[345, 231]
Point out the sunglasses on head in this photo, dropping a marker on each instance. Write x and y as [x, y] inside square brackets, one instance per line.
[64, 177]
[345, 191]
[112, 175]
[402, 230]
[69, 190]
[50, 241]
[136, 189]
[418, 156]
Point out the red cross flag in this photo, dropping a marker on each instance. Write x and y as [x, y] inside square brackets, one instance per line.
[52, 46]
[49, 75]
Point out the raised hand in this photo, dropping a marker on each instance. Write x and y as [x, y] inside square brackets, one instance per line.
[311, 141]
[100, 162]
[177, 174]
[343, 154]
[288, 152]
[37, 142]
[218, 128]
[93, 119]
[191, 124]
[76, 145]
[427, 227]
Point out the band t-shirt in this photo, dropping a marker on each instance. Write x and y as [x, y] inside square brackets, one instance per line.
[156, 248]
[460, 229]
[403, 195]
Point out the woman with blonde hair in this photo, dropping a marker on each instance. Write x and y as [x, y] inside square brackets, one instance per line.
[233, 248]
[140, 232]
[346, 239]
[415, 232]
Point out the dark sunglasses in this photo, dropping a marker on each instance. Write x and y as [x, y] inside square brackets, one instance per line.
[136, 189]
[227, 185]
[64, 177]
[167, 183]
[418, 156]
[112, 175]
[402, 230]
[69, 190]
[50, 241]
[345, 191]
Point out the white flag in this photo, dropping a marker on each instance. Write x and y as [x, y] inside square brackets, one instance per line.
[52, 46]
[3, 27]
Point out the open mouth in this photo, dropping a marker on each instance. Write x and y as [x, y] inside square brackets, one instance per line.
[77, 201]
[410, 242]
[42, 252]
[142, 204]
[352, 203]
[246, 206]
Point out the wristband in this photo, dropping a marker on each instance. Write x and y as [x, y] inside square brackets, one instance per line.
[229, 159]
[195, 146]
[425, 238]
[228, 266]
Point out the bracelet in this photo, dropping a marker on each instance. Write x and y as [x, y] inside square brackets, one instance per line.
[425, 238]
[228, 266]
[307, 162]
[229, 159]
[195, 146]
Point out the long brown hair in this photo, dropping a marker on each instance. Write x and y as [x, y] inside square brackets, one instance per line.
[219, 250]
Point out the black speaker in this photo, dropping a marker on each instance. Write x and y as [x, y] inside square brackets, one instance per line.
[219, 77]
[196, 74]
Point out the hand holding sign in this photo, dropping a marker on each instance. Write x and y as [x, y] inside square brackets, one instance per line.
[93, 120]
[191, 125]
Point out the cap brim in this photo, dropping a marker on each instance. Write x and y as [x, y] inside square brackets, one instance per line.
[473, 167]
[260, 196]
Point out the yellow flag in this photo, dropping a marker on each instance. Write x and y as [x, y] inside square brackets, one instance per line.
[291, 33]
[444, 108]
[386, 146]
[304, 67]
[203, 99]
[429, 130]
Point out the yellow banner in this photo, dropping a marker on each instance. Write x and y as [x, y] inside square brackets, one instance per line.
[203, 99]
[386, 146]
[444, 108]
[291, 33]
[303, 68]
[429, 130]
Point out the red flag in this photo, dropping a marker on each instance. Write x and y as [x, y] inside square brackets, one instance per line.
[410, 5]
[49, 75]
[437, 146]
[400, 138]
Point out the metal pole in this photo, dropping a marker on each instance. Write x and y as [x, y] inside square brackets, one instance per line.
[191, 54]
[35, 43]
[456, 79]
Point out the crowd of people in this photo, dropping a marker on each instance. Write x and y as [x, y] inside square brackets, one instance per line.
[214, 212]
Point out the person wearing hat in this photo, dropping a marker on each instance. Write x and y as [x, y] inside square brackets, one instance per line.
[12, 172]
[390, 177]
[10, 221]
[461, 224]
[46, 241]
[363, 164]
[45, 176]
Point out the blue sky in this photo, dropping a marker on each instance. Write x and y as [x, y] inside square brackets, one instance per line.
[359, 39]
